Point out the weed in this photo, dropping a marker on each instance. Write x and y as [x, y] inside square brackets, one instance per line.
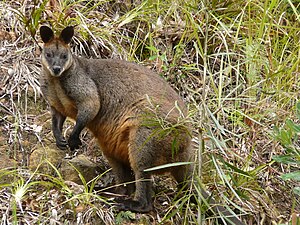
[288, 138]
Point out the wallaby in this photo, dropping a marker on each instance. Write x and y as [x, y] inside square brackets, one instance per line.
[122, 104]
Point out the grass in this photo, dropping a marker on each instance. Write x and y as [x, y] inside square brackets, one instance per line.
[37, 198]
[234, 62]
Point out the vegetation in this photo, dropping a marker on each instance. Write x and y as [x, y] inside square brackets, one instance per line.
[234, 62]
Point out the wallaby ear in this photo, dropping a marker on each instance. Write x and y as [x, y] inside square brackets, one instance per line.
[67, 34]
[46, 34]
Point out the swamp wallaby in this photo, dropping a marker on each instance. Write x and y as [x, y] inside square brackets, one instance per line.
[130, 110]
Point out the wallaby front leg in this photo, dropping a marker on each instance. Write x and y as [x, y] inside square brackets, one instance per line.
[88, 105]
[85, 115]
[74, 140]
[57, 124]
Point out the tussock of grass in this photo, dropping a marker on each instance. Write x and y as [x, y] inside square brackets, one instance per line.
[234, 62]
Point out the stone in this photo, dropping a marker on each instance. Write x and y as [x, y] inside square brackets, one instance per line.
[88, 169]
[43, 157]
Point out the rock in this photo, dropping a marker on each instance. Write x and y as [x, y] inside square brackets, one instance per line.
[43, 157]
[76, 188]
[88, 169]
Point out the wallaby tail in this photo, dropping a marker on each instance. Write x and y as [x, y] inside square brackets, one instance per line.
[226, 216]
[199, 196]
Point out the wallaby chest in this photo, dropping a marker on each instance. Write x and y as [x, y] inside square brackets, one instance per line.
[58, 98]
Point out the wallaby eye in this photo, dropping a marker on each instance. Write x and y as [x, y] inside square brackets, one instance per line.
[48, 55]
[64, 56]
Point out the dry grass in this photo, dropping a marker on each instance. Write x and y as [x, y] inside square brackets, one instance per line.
[234, 63]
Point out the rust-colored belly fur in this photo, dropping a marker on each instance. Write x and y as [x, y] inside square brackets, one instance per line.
[114, 140]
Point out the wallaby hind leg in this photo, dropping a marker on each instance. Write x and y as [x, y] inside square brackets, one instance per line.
[124, 177]
[142, 201]
[183, 175]
[142, 154]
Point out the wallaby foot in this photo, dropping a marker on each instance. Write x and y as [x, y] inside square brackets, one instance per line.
[61, 143]
[124, 177]
[127, 189]
[134, 206]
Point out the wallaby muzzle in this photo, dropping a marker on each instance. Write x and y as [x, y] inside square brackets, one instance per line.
[56, 70]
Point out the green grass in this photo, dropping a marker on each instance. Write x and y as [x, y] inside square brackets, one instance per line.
[234, 62]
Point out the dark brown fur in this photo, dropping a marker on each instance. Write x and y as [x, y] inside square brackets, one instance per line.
[111, 98]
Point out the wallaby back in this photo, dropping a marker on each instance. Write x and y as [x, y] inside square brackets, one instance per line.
[137, 118]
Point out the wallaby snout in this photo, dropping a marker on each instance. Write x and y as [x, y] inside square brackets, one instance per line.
[56, 70]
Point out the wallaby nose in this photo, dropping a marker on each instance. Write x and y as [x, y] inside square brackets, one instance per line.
[56, 70]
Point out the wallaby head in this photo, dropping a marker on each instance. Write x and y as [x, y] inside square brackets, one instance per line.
[56, 56]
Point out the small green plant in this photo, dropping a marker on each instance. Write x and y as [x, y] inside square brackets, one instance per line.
[20, 189]
[288, 137]
[31, 21]
[124, 216]
[160, 58]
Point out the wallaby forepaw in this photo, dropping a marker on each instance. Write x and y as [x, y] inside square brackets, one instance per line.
[74, 143]
[62, 144]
